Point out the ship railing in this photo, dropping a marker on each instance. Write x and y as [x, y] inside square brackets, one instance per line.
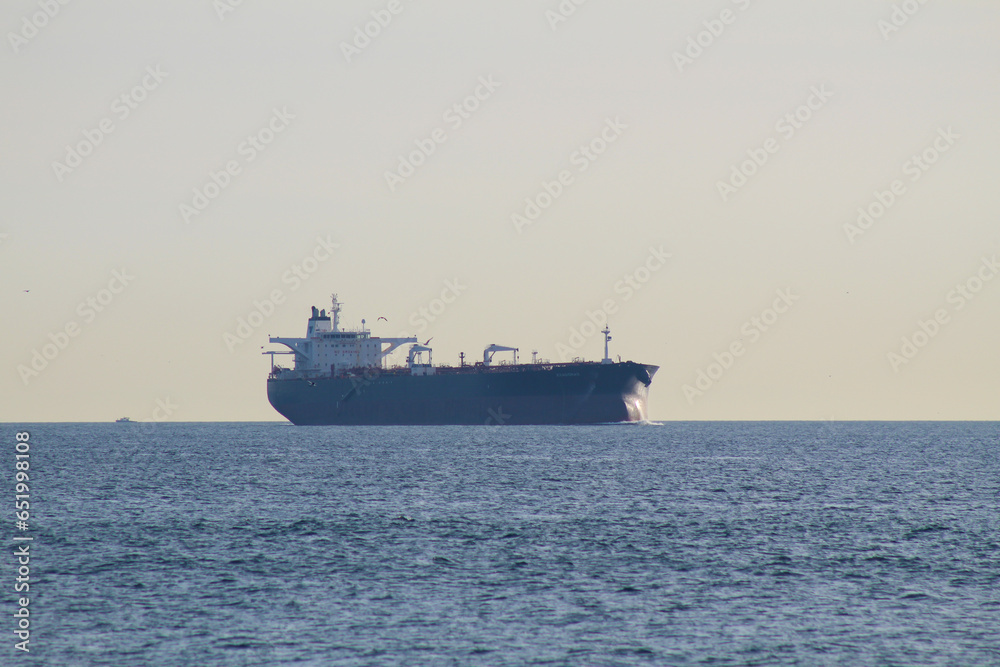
[295, 374]
[371, 372]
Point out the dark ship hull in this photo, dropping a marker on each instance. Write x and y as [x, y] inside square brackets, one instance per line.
[571, 393]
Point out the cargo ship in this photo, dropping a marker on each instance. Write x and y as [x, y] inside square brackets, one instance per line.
[341, 376]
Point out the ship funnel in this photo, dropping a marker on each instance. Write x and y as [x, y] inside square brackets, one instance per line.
[318, 323]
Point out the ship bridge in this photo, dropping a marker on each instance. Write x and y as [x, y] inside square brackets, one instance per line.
[327, 348]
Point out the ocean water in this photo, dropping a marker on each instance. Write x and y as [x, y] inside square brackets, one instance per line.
[637, 544]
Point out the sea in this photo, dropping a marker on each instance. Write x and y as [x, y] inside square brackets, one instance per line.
[674, 543]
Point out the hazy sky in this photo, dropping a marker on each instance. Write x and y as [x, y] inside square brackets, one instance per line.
[699, 167]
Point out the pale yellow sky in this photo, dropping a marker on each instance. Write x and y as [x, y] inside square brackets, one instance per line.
[698, 167]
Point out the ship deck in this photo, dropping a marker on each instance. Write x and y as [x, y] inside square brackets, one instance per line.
[285, 373]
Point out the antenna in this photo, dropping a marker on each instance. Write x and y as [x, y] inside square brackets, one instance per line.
[335, 311]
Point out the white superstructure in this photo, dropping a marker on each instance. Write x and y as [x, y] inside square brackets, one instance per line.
[327, 349]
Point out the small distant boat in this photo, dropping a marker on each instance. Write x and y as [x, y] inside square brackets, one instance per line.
[122, 420]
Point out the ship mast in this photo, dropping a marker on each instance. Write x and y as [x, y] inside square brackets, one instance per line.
[335, 312]
[607, 337]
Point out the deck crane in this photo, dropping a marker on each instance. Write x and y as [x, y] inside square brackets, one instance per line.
[492, 349]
